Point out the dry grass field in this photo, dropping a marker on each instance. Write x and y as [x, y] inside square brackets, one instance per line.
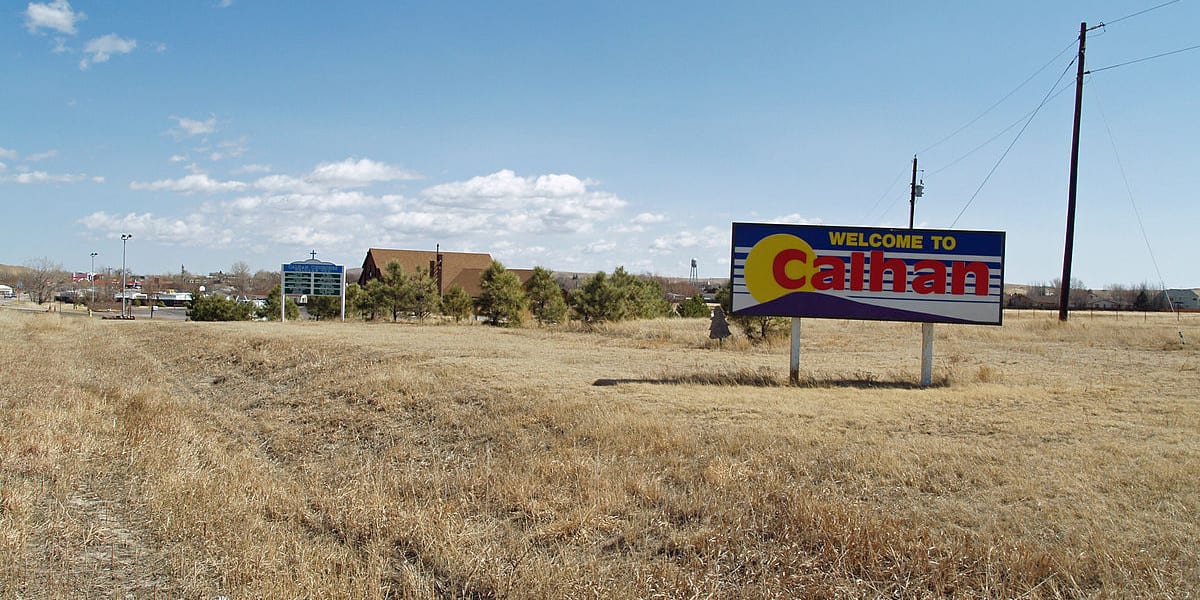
[328, 460]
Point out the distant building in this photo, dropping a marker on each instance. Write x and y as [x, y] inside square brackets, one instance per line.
[447, 268]
[1101, 302]
[1038, 299]
[1185, 299]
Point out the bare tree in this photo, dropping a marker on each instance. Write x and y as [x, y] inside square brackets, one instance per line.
[263, 281]
[239, 276]
[40, 278]
[1122, 294]
[1079, 291]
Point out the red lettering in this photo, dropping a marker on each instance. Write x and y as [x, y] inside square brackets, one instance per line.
[831, 273]
[896, 266]
[958, 277]
[929, 283]
[779, 268]
[856, 271]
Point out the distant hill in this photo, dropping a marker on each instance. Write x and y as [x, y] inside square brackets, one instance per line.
[10, 273]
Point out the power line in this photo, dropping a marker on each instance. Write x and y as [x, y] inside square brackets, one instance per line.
[1000, 101]
[889, 190]
[1137, 213]
[1142, 59]
[1140, 12]
[1013, 143]
[995, 137]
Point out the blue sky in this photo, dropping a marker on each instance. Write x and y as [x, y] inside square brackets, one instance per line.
[586, 135]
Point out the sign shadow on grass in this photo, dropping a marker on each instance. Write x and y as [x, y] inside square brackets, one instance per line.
[765, 378]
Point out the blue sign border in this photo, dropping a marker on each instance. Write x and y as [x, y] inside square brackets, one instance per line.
[855, 299]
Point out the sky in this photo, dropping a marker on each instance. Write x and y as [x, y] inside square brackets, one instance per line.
[582, 136]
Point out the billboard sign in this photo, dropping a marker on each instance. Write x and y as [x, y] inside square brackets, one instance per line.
[312, 278]
[868, 273]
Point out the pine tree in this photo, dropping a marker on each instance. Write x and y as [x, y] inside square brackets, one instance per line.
[421, 294]
[270, 310]
[545, 297]
[457, 303]
[395, 292]
[220, 308]
[694, 308]
[598, 300]
[502, 299]
[324, 307]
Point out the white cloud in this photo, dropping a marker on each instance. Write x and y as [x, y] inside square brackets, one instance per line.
[794, 219]
[3, 167]
[599, 247]
[57, 15]
[193, 230]
[194, 127]
[307, 204]
[44, 177]
[327, 209]
[709, 237]
[190, 184]
[6, 153]
[354, 173]
[252, 168]
[42, 155]
[177, 158]
[648, 218]
[229, 149]
[102, 48]
[224, 3]
[281, 184]
[329, 177]
[638, 224]
[543, 204]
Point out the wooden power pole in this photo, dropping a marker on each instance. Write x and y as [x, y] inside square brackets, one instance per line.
[1064, 296]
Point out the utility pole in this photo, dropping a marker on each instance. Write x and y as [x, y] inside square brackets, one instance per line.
[124, 286]
[92, 280]
[1064, 296]
[926, 328]
[912, 196]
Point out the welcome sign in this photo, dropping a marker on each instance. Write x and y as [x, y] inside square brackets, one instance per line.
[868, 273]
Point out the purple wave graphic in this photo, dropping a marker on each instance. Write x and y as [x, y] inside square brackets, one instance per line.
[810, 304]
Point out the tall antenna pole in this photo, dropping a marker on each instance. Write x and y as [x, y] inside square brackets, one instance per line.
[1064, 296]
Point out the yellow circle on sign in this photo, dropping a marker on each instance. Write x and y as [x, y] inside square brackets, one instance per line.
[777, 265]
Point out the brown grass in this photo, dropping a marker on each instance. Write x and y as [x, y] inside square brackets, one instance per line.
[154, 459]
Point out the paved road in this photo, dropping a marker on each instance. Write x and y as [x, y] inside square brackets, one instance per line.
[139, 312]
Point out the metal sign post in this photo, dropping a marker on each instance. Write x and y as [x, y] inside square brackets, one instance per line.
[926, 354]
[794, 370]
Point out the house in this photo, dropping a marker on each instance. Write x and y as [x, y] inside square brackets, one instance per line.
[1184, 299]
[1100, 302]
[447, 268]
[1032, 300]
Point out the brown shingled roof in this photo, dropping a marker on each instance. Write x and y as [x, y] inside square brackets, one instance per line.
[461, 268]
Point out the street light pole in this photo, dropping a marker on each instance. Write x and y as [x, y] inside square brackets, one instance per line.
[124, 289]
[92, 280]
